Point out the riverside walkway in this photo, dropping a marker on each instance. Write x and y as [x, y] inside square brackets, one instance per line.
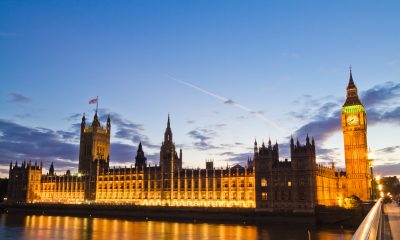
[393, 213]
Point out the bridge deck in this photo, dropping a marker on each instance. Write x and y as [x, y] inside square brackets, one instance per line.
[393, 213]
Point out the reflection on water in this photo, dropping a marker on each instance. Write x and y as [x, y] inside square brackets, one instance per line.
[64, 227]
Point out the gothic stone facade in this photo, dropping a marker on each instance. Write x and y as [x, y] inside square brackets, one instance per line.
[265, 182]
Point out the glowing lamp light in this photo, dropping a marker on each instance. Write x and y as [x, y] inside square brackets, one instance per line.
[371, 155]
[378, 178]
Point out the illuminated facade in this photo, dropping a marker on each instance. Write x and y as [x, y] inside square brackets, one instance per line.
[266, 182]
[354, 126]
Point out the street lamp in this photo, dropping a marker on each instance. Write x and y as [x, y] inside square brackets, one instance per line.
[371, 156]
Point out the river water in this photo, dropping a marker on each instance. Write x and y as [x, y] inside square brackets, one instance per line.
[17, 226]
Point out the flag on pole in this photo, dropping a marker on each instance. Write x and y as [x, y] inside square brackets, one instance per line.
[93, 101]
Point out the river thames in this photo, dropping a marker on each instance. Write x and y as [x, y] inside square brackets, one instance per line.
[17, 226]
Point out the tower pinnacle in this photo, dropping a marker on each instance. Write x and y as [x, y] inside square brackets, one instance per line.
[351, 82]
[168, 132]
[352, 95]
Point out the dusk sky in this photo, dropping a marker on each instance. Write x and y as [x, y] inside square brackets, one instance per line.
[227, 72]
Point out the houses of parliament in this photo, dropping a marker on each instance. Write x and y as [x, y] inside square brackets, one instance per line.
[266, 182]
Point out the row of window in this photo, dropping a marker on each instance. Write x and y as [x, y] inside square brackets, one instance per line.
[283, 196]
[110, 186]
[117, 178]
[264, 183]
[218, 185]
[167, 185]
[194, 196]
[120, 178]
[62, 186]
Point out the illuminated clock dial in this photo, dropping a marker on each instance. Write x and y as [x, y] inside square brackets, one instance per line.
[352, 120]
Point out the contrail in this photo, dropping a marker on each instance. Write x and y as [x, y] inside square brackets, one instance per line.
[230, 101]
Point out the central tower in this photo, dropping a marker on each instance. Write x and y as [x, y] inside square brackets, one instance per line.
[169, 160]
[354, 126]
[94, 144]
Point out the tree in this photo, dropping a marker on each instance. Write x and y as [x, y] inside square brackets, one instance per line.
[390, 184]
[352, 202]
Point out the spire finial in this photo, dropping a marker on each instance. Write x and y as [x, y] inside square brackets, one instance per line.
[351, 81]
[168, 123]
[140, 149]
[97, 103]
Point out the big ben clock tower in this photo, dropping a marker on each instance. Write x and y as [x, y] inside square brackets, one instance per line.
[354, 126]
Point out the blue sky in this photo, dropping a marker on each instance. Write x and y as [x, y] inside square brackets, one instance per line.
[226, 72]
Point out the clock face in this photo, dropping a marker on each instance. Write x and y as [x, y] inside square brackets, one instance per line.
[352, 120]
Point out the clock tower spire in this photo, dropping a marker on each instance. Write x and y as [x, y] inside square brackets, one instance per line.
[354, 126]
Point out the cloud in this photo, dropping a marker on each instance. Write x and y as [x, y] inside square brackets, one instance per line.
[202, 137]
[125, 129]
[389, 149]
[321, 128]
[19, 98]
[260, 112]
[387, 169]
[382, 106]
[326, 118]
[229, 102]
[23, 116]
[392, 116]
[122, 153]
[219, 125]
[310, 108]
[199, 134]
[236, 158]
[381, 94]
[19, 142]
[74, 117]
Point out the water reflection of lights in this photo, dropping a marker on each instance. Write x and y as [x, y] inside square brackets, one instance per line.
[57, 227]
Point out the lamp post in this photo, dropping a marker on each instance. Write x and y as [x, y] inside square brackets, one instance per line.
[370, 160]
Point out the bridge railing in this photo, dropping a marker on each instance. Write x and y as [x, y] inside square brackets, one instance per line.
[371, 226]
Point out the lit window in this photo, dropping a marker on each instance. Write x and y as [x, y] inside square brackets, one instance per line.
[289, 183]
[264, 196]
[264, 182]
